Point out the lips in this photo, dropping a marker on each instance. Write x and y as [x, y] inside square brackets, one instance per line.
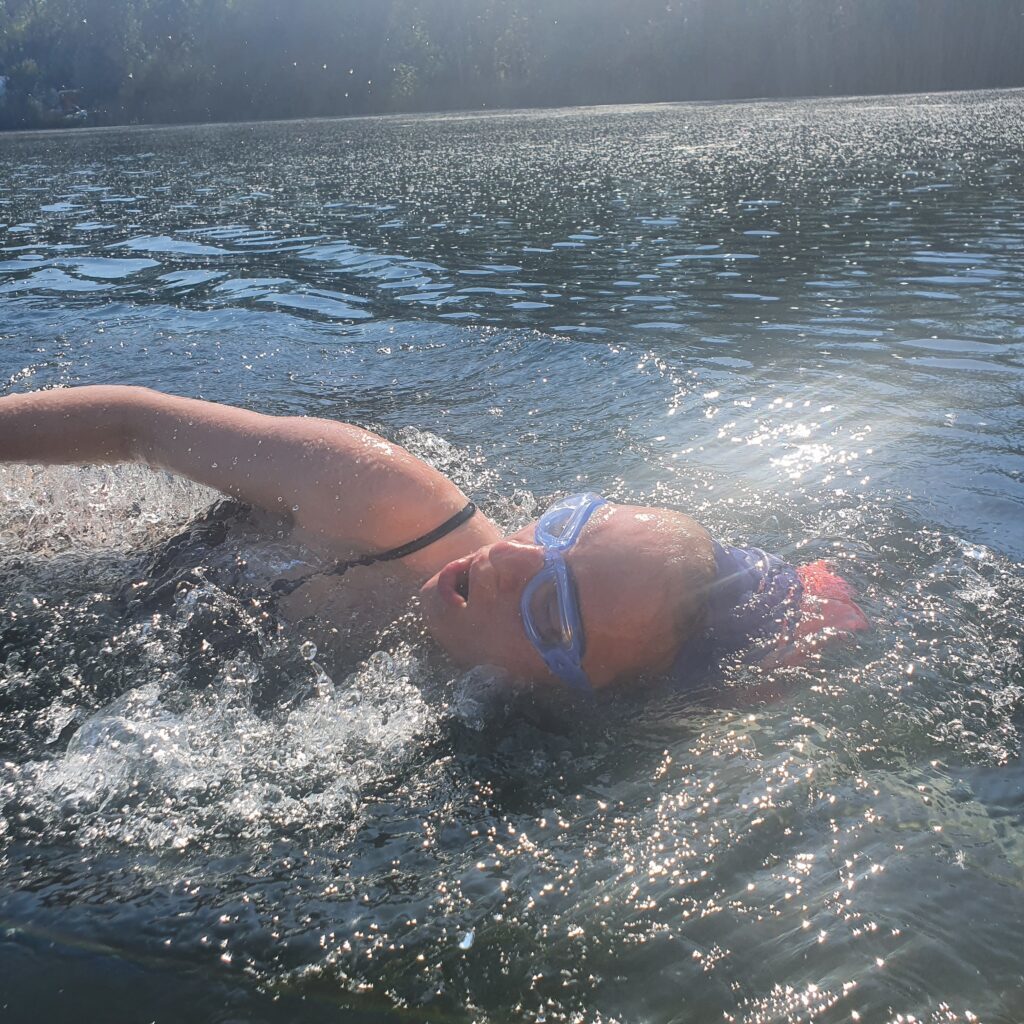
[453, 582]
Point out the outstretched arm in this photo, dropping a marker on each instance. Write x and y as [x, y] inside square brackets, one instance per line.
[333, 478]
[83, 425]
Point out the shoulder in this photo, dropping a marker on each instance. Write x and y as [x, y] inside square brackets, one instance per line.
[369, 492]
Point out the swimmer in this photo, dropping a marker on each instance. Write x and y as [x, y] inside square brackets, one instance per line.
[591, 594]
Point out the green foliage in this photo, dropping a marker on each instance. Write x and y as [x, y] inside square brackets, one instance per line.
[197, 60]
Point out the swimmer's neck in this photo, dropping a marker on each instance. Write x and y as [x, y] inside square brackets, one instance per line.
[472, 535]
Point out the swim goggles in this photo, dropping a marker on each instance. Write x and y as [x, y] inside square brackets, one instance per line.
[550, 606]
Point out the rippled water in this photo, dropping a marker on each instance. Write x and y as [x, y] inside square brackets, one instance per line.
[799, 321]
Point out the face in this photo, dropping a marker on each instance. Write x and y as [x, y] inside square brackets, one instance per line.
[638, 573]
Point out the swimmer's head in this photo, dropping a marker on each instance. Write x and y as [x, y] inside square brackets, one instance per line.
[640, 575]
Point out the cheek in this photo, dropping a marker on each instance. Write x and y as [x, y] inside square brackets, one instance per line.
[495, 636]
[496, 623]
[485, 632]
[488, 633]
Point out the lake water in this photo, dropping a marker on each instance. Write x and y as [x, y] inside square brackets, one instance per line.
[803, 322]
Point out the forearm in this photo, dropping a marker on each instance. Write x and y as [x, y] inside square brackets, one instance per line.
[69, 425]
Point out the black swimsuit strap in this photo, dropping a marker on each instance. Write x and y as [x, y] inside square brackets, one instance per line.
[282, 588]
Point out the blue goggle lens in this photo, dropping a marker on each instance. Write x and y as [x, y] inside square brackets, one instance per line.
[549, 606]
[548, 615]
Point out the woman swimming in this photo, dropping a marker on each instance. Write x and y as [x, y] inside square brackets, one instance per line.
[591, 594]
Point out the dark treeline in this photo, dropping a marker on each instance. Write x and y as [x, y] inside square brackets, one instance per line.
[122, 61]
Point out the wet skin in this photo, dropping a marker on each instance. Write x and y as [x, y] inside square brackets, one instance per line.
[638, 573]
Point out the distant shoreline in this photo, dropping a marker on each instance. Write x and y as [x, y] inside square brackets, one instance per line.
[483, 112]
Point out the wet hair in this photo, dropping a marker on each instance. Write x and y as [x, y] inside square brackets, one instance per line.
[694, 558]
[685, 547]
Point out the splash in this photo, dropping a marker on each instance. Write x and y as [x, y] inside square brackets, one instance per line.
[183, 722]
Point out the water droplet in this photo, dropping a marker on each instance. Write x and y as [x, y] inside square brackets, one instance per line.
[467, 940]
[308, 650]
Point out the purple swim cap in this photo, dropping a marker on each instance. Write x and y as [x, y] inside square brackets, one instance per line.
[753, 601]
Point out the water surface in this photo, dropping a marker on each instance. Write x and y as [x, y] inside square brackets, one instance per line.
[799, 321]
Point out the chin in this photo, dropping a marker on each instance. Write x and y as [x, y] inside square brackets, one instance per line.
[427, 590]
[430, 606]
[436, 617]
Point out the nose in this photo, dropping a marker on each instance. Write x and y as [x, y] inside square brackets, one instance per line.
[515, 562]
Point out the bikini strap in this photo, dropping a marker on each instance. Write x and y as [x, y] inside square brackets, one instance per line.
[282, 588]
